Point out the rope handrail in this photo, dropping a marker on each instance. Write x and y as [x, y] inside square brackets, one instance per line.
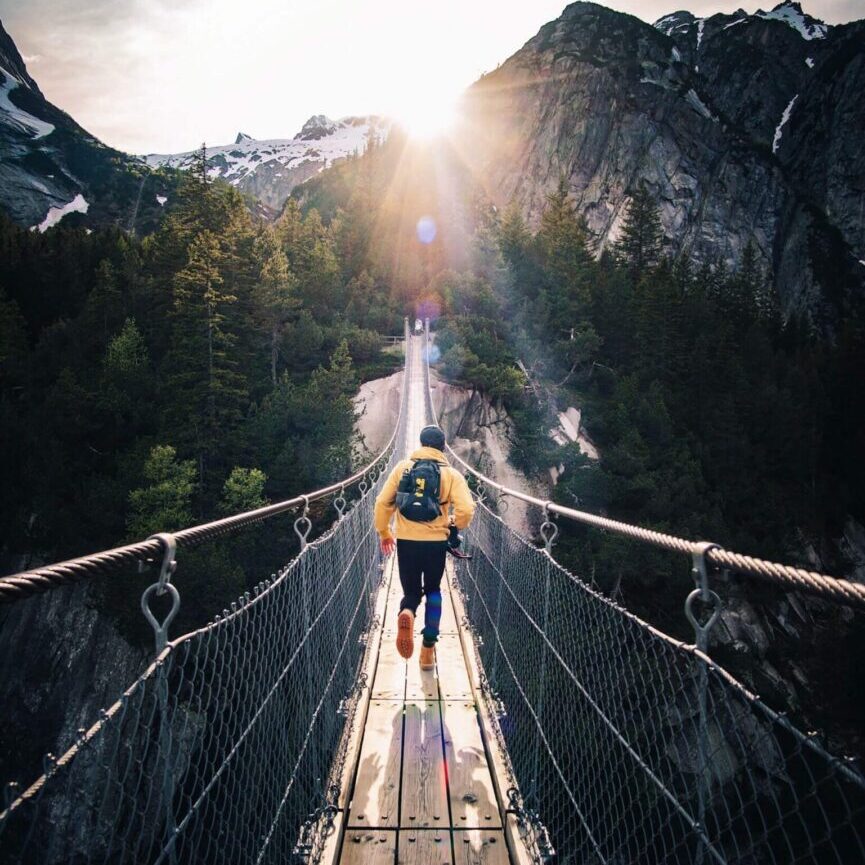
[788, 576]
[25, 584]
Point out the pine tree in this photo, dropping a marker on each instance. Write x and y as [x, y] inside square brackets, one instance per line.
[206, 390]
[275, 296]
[13, 344]
[104, 309]
[564, 241]
[164, 504]
[641, 243]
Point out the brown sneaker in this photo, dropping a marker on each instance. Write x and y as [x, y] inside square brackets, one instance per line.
[427, 657]
[405, 633]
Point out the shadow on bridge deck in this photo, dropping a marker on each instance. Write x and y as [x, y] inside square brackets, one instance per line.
[422, 791]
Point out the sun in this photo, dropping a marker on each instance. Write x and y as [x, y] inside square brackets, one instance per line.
[426, 115]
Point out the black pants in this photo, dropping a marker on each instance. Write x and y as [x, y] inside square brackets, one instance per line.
[421, 565]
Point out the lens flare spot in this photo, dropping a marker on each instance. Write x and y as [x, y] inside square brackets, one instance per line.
[429, 308]
[433, 355]
[426, 229]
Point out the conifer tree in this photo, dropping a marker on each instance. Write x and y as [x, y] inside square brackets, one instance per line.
[207, 392]
[564, 241]
[103, 310]
[641, 243]
[275, 293]
[164, 504]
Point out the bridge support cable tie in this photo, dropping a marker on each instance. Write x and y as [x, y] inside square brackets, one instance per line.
[162, 586]
[704, 594]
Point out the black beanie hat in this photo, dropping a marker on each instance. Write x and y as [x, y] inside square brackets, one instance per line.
[432, 437]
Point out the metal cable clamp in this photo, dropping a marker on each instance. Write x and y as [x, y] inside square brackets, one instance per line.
[340, 503]
[700, 572]
[303, 520]
[160, 587]
[549, 531]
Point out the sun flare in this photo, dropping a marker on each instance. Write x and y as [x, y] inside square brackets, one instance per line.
[426, 115]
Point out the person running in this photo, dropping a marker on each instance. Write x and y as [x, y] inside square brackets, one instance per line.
[420, 491]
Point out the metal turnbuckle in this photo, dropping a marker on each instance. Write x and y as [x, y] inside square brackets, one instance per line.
[159, 588]
[303, 524]
[702, 592]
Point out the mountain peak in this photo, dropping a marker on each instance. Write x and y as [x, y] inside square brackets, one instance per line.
[790, 12]
[675, 20]
[318, 126]
[12, 63]
[241, 137]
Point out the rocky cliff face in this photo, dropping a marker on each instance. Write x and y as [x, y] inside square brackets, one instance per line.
[691, 108]
[62, 661]
[52, 169]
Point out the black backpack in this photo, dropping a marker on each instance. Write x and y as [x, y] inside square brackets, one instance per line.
[417, 496]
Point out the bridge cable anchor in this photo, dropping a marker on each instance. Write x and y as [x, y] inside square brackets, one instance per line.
[702, 592]
[301, 521]
[162, 586]
[549, 531]
[340, 503]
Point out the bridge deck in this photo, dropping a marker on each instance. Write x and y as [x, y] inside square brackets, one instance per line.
[422, 791]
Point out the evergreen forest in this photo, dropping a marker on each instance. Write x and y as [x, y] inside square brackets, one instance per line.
[147, 383]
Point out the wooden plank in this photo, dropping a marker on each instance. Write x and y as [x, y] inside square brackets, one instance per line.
[420, 684]
[389, 682]
[362, 847]
[517, 846]
[449, 621]
[424, 847]
[454, 681]
[424, 791]
[472, 795]
[478, 847]
[375, 801]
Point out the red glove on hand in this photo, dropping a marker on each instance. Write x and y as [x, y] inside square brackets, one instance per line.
[388, 545]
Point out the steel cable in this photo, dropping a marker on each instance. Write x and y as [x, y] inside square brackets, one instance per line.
[787, 576]
[38, 580]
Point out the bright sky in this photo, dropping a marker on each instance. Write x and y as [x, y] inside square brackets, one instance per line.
[164, 75]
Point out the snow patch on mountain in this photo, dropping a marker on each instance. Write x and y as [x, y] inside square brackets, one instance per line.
[698, 105]
[79, 204]
[776, 141]
[792, 15]
[16, 116]
[676, 21]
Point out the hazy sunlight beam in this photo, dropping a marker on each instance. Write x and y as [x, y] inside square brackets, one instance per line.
[425, 114]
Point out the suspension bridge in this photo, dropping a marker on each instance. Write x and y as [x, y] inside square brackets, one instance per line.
[556, 727]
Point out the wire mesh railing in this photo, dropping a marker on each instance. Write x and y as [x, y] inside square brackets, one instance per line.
[628, 746]
[229, 747]
[624, 745]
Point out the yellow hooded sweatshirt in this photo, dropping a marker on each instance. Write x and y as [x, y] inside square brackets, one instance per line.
[454, 492]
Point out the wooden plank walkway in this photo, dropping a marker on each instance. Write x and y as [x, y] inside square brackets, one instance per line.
[422, 793]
